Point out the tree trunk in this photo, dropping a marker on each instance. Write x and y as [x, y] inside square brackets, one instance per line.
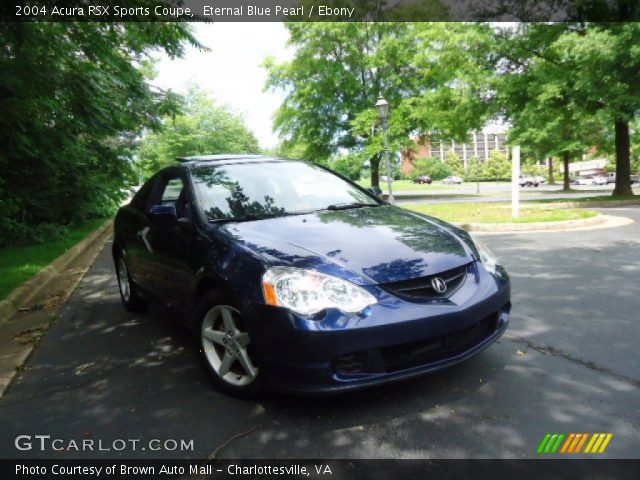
[375, 171]
[552, 180]
[623, 160]
[566, 184]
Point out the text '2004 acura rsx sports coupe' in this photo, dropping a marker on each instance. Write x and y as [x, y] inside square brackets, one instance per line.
[296, 279]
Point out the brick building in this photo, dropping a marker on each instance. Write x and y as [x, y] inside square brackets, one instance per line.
[480, 145]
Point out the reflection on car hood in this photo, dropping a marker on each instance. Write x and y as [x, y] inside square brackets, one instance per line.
[365, 245]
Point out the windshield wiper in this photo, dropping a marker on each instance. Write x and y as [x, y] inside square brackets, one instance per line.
[244, 218]
[348, 206]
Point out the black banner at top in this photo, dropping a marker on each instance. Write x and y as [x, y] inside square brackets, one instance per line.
[321, 10]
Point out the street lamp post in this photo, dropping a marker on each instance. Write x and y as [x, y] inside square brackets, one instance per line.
[383, 112]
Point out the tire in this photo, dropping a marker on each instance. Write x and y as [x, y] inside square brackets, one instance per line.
[131, 300]
[224, 348]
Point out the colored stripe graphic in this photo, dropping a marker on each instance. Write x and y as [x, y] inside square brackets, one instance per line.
[570, 438]
[556, 445]
[574, 443]
[550, 443]
[598, 442]
[594, 437]
[544, 443]
[605, 442]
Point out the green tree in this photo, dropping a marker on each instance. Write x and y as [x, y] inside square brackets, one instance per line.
[337, 73]
[73, 100]
[203, 127]
[349, 166]
[606, 60]
[290, 150]
[577, 76]
[428, 73]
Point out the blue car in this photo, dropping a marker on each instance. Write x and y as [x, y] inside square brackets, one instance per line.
[296, 279]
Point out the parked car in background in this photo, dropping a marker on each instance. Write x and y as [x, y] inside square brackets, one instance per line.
[541, 180]
[452, 180]
[579, 181]
[295, 279]
[591, 180]
[600, 180]
[528, 181]
[611, 178]
[423, 179]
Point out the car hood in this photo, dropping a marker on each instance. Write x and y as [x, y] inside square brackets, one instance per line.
[368, 245]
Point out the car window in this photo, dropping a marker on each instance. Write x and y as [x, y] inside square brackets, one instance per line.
[174, 193]
[270, 188]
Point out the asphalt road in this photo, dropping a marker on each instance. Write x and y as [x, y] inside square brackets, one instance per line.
[569, 363]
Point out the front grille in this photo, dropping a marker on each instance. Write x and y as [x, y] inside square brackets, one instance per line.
[417, 353]
[421, 288]
[407, 355]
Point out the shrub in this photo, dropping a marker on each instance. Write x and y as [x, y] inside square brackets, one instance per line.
[16, 233]
[452, 160]
[430, 166]
[497, 167]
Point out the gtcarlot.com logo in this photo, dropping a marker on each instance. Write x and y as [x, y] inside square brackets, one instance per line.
[45, 443]
[574, 443]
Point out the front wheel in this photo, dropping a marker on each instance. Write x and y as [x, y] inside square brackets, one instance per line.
[226, 351]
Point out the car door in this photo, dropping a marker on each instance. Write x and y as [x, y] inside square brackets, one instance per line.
[132, 224]
[169, 243]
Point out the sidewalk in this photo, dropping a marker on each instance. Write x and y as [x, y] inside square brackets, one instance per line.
[21, 333]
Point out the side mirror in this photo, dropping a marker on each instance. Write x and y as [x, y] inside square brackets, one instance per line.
[163, 216]
[377, 191]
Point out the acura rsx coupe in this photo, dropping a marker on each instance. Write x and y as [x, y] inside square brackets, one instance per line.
[296, 279]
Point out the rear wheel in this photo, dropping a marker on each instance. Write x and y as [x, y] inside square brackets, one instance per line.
[226, 351]
[128, 289]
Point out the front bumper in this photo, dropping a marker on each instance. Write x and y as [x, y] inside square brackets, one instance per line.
[391, 340]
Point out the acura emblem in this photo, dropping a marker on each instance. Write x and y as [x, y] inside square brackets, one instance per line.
[438, 285]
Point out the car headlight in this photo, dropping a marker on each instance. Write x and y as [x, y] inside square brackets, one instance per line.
[308, 292]
[487, 257]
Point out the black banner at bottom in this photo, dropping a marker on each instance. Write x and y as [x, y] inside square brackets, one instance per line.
[323, 469]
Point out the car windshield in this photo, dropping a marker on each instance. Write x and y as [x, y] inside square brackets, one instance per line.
[245, 191]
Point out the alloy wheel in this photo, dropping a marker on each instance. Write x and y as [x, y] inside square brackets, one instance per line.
[225, 346]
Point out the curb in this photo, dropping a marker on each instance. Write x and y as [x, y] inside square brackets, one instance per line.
[27, 292]
[604, 204]
[599, 221]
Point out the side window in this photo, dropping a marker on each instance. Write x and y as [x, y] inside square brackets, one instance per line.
[172, 190]
[174, 193]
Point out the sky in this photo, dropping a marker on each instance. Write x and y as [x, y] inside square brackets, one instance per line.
[232, 70]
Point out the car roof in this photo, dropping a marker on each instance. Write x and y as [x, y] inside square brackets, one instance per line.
[226, 159]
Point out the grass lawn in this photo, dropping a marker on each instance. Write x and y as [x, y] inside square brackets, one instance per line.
[499, 213]
[19, 264]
